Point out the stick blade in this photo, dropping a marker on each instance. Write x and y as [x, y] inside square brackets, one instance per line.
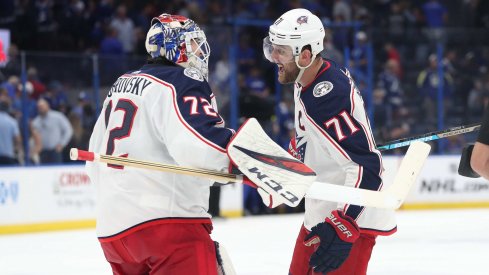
[391, 198]
[408, 172]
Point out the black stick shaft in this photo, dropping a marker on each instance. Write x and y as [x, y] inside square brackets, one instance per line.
[430, 136]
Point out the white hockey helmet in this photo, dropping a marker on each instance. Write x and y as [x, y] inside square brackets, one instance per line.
[296, 28]
[171, 37]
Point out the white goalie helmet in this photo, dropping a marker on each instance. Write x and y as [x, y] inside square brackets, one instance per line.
[296, 28]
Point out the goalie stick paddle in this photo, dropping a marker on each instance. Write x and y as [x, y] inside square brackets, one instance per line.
[430, 136]
[392, 197]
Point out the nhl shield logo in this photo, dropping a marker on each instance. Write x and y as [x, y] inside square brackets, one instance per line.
[322, 88]
[302, 19]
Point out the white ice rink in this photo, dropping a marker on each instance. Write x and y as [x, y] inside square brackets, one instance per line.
[427, 242]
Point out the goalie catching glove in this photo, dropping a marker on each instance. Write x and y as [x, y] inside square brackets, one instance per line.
[335, 236]
[280, 177]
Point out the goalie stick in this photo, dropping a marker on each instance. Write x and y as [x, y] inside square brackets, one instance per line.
[390, 198]
[430, 136]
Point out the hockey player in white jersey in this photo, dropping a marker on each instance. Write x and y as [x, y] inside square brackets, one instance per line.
[333, 137]
[152, 222]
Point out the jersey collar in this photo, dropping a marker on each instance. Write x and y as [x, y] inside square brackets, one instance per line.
[326, 65]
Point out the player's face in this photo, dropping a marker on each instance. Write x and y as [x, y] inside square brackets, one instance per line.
[288, 72]
[283, 57]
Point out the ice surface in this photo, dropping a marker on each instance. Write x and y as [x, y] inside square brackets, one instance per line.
[442, 242]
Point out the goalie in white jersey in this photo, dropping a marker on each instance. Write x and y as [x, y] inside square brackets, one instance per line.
[152, 222]
[334, 138]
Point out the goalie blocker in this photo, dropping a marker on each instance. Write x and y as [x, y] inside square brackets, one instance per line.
[280, 177]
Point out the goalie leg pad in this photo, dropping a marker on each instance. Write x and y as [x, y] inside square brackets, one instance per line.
[224, 264]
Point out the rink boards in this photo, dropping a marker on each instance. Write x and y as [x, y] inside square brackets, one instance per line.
[62, 197]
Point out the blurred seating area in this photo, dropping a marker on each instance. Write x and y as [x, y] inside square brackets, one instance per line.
[74, 50]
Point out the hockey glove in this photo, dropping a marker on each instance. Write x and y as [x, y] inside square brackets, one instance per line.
[464, 167]
[265, 196]
[336, 236]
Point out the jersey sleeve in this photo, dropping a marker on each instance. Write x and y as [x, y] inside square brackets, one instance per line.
[198, 137]
[342, 128]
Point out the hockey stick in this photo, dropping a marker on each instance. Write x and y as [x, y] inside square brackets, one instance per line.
[430, 136]
[391, 198]
[77, 154]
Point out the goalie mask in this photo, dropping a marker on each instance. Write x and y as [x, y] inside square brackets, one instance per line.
[180, 40]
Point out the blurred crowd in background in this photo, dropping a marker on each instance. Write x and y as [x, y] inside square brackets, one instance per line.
[398, 39]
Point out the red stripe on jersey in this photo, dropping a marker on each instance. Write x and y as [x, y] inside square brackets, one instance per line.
[326, 67]
[370, 141]
[352, 100]
[360, 214]
[208, 142]
[325, 134]
[378, 232]
[151, 223]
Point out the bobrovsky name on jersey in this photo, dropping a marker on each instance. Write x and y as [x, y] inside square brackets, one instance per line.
[133, 85]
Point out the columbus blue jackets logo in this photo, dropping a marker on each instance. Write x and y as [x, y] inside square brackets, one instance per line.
[297, 147]
[322, 88]
[302, 19]
[193, 73]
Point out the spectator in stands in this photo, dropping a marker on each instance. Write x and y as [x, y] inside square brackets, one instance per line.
[111, 43]
[390, 84]
[246, 55]
[35, 144]
[359, 56]
[436, 16]
[10, 140]
[342, 9]
[125, 29]
[330, 51]
[256, 85]
[84, 111]
[57, 96]
[55, 131]
[38, 86]
[435, 13]
[46, 25]
[478, 99]
[12, 67]
[11, 85]
[428, 83]
[396, 23]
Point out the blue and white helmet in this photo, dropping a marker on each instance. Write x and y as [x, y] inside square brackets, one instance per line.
[180, 40]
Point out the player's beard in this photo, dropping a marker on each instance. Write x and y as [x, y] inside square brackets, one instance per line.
[289, 73]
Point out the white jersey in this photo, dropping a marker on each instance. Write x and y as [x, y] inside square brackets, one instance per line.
[334, 138]
[165, 114]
